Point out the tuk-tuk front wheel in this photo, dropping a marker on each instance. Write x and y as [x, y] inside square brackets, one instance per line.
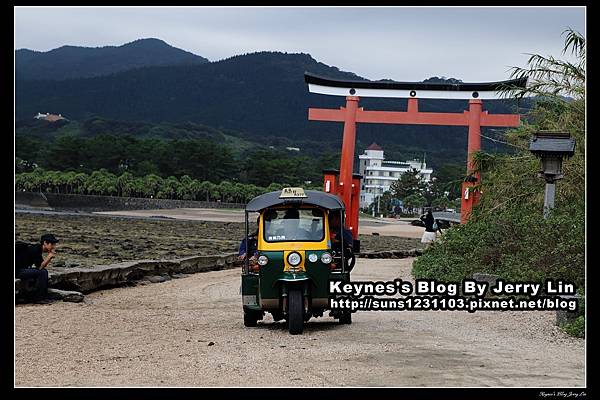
[295, 311]
[250, 319]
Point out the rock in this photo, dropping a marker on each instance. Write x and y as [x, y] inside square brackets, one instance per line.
[84, 279]
[65, 295]
[565, 316]
[211, 343]
[489, 278]
[179, 276]
[74, 298]
[375, 233]
[156, 278]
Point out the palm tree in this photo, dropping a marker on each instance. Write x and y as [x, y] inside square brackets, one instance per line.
[227, 191]
[124, 184]
[78, 182]
[184, 191]
[69, 180]
[140, 189]
[153, 184]
[37, 179]
[205, 188]
[195, 188]
[549, 77]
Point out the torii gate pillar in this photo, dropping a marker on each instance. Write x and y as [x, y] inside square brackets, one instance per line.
[469, 197]
[347, 159]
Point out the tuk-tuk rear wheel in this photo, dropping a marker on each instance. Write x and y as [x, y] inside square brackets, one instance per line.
[295, 311]
[346, 317]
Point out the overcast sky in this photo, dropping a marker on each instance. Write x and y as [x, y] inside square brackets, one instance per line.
[399, 43]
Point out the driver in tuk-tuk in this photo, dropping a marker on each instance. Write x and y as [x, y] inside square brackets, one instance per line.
[291, 226]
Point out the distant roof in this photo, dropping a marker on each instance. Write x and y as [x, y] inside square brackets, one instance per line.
[315, 197]
[552, 142]
[374, 146]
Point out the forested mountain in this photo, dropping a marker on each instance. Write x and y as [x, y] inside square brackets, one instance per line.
[69, 62]
[261, 95]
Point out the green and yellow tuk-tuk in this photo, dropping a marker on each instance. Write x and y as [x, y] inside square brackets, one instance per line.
[295, 259]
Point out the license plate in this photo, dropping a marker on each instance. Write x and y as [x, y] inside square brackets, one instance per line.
[249, 300]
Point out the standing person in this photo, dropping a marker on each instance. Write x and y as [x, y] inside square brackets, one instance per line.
[252, 248]
[26, 256]
[429, 235]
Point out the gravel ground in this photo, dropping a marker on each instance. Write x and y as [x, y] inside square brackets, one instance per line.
[189, 332]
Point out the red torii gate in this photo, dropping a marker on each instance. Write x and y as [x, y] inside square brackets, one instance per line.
[347, 189]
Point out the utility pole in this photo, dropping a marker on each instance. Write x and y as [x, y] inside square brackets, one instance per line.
[374, 204]
[378, 199]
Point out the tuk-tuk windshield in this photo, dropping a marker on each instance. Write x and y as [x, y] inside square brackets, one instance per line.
[294, 225]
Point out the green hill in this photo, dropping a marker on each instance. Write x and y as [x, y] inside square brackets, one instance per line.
[72, 62]
[261, 95]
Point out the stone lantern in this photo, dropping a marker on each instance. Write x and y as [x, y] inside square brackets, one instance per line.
[552, 147]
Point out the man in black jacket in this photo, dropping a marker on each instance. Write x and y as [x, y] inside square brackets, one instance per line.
[26, 256]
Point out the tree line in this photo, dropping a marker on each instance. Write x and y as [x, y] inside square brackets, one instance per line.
[105, 183]
[200, 159]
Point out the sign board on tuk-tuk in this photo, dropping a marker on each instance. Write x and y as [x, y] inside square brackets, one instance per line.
[292, 192]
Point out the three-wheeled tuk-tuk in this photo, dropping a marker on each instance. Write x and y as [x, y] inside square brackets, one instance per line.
[297, 254]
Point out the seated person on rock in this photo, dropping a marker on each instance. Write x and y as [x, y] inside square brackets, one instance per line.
[30, 266]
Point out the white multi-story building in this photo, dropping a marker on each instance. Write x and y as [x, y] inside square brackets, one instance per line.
[379, 174]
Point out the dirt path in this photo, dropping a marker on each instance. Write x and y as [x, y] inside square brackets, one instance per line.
[193, 214]
[385, 227]
[189, 332]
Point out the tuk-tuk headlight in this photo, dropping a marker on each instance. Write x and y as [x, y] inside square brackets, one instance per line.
[326, 258]
[312, 257]
[294, 259]
[262, 260]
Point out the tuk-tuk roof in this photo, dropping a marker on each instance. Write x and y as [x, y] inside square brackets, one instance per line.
[314, 197]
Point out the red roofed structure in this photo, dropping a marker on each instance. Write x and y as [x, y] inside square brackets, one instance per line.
[374, 146]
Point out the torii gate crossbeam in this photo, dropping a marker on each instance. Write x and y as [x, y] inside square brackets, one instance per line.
[474, 118]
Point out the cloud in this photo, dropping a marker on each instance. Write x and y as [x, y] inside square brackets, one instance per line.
[401, 43]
